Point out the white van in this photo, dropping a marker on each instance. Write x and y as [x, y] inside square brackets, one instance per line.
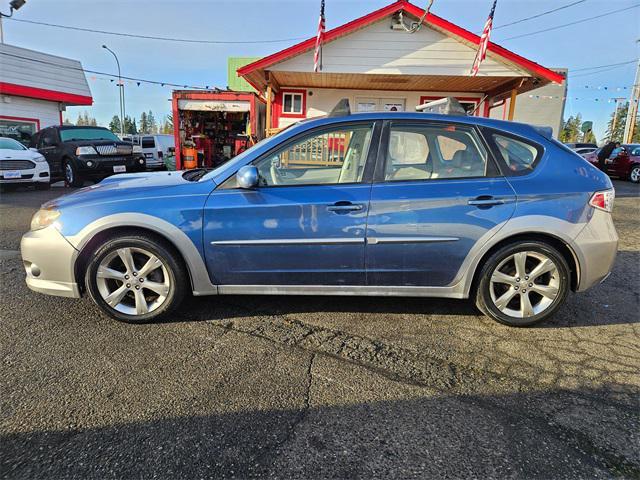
[154, 147]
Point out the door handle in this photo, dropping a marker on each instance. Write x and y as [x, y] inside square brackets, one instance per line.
[345, 207]
[485, 201]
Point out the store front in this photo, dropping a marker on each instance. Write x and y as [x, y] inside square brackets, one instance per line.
[212, 127]
[378, 65]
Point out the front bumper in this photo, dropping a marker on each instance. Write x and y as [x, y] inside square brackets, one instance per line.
[596, 246]
[102, 166]
[49, 261]
[40, 173]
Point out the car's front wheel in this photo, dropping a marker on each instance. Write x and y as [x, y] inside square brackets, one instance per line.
[136, 279]
[72, 177]
[523, 283]
[634, 174]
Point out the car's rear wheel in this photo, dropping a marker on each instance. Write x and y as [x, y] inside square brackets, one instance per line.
[634, 174]
[523, 283]
[136, 279]
[71, 176]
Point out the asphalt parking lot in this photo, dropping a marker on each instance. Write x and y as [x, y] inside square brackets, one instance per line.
[303, 387]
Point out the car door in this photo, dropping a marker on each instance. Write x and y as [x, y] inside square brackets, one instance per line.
[436, 193]
[49, 147]
[305, 223]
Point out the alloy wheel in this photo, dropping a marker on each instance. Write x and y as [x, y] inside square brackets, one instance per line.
[68, 171]
[133, 281]
[524, 284]
[635, 174]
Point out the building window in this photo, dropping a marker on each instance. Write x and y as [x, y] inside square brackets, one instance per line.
[20, 129]
[293, 103]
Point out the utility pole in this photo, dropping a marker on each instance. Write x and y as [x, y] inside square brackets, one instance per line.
[632, 112]
[615, 116]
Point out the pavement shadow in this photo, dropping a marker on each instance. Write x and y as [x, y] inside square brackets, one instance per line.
[522, 435]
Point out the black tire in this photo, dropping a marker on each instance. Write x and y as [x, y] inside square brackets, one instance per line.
[177, 276]
[634, 174]
[42, 186]
[72, 177]
[483, 298]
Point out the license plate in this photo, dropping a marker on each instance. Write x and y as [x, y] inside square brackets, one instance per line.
[119, 168]
[12, 174]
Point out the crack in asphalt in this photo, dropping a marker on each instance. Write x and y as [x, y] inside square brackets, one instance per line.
[407, 367]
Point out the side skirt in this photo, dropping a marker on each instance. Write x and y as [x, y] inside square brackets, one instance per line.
[346, 290]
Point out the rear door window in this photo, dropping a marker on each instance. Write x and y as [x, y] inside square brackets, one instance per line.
[432, 151]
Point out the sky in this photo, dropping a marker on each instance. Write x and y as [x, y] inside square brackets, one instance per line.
[612, 39]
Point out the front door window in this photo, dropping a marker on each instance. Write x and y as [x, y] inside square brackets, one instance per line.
[334, 156]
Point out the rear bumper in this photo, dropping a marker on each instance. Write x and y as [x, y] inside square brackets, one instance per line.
[49, 260]
[596, 246]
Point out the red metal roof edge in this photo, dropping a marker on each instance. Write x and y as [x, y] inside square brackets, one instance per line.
[44, 94]
[413, 10]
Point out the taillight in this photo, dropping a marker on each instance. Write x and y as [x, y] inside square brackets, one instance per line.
[603, 200]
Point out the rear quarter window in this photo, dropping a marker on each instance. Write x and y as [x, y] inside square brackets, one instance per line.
[516, 155]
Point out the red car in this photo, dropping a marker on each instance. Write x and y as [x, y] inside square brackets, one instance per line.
[625, 165]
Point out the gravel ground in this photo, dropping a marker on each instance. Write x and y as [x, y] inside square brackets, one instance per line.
[303, 387]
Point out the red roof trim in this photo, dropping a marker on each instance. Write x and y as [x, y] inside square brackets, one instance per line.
[413, 10]
[44, 94]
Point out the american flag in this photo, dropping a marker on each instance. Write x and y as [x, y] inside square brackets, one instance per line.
[317, 55]
[484, 41]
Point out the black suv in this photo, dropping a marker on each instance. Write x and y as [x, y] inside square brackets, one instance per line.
[78, 153]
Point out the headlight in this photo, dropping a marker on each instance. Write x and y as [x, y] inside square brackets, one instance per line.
[39, 158]
[43, 218]
[137, 149]
[86, 151]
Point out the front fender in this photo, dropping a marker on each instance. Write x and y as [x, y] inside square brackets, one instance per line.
[197, 269]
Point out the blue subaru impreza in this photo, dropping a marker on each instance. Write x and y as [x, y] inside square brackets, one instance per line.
[379, 204]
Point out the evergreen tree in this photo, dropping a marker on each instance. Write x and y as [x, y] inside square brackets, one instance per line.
[570, 132]
[616, 133]
[151, 123]
[167, 124]
[130, 125]
[144, 124]
[114, 124]
[84, 120]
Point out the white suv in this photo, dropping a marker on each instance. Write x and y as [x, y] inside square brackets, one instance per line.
[154, 147]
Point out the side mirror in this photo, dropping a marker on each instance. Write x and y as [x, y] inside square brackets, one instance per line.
[247, 177]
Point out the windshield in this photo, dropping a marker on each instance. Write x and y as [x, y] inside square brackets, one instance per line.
[10, 144]
[67, 135]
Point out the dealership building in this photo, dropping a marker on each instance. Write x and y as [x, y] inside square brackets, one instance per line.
[35, 88]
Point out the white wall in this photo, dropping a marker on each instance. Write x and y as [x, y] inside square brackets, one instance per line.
[534, 107]
[320, 101]
[379, 49]
[48, 113]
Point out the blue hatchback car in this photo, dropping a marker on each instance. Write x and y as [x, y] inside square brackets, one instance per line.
[378, 204]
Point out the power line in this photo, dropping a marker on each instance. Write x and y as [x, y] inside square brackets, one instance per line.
[602, 66]
[153, 37]
[95, 72]
[571, 23]
[504, 25]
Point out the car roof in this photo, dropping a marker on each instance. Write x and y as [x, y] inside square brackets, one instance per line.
[514, 127]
